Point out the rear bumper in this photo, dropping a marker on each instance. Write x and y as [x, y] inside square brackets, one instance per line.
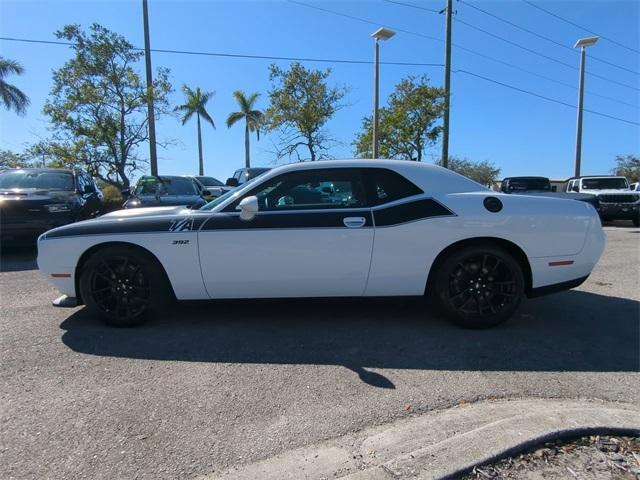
[557, 287]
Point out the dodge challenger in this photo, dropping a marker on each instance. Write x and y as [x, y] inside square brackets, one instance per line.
[347, 228]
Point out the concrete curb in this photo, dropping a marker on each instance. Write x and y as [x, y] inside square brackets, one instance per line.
[446, 443]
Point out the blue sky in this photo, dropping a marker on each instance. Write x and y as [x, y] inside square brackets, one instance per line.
[520, 133]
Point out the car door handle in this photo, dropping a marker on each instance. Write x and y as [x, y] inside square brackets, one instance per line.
[354, 222]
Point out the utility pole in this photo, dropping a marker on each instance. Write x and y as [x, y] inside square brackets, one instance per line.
[582, 44]
[153, 158]
[447, 86]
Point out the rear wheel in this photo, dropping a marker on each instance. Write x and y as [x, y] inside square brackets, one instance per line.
[123, 286]
[636, 220]
[479, 286]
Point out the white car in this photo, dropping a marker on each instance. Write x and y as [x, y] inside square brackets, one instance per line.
[346, 228]
[616, 201]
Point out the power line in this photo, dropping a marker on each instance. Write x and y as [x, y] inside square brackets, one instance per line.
[515, 44]
[432, 10]
[579, 26]
[364, 20]
[237, 55]
[328, 60]
[536, 34]
[270, 57]
[549, 99]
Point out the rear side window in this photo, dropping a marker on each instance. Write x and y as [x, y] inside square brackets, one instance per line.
[387, 186]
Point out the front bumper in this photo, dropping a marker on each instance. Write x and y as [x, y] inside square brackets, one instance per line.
[621, 211]
[14, 229]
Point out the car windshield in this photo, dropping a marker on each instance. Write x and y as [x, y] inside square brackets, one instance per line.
[529, 184]
[37, 180]
[210, 182]
[616, 183]
[166, 186]
[255, 172]
[214, 203]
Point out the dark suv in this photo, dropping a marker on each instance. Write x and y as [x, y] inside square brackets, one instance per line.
[243, 175]
[34, 200]
[166, 191]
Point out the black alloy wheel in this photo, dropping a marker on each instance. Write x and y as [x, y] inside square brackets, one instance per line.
[122, 286]
[479, 287]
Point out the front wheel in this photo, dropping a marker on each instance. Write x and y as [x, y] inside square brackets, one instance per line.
[479, 286]
[123, 286]
[636, 220]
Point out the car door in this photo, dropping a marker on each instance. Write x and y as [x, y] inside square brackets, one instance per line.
[312, 237]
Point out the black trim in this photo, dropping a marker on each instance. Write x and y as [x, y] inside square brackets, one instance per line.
[285, 220]
[409, 212]
[170, 224]
[556, 287]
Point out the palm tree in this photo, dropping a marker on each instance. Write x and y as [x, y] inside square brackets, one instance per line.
[252, 119]
[11, 96]
[196, 102]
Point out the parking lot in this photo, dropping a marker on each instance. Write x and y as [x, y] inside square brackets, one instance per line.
[216, 384]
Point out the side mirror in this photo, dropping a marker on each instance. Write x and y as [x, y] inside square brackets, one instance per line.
[248, 208]
[206, 193]
[232, 182]
[89, 189]
[126, 192]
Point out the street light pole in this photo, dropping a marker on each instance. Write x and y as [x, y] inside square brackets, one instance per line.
[376, 73]
[153, 158]
[583, 43]
[380, 34]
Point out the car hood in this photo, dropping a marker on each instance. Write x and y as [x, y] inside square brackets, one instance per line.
[152, 200]
[608, 191]
[540, 193]
[147, 212]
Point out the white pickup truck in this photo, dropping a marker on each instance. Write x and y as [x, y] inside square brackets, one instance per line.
[616, 200]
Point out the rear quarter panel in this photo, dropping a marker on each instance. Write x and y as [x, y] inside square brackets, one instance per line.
[541, 227]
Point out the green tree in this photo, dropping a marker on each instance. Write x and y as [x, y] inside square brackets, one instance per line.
[484, 172]
[10, 95]
[98, 104]
[252, 119]
[407, 126]
[9, 159]
[301, 104]
[628, 166]
[196, 102]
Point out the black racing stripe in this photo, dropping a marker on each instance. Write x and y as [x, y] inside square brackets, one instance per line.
[232, 221]
[171, 224]
[409, 212]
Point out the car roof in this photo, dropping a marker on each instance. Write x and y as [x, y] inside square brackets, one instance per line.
[597, 176]
[429, 177]
[526, 178]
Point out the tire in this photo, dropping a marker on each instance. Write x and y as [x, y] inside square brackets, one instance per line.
[123, 286]
[636, 220]
[479, 286]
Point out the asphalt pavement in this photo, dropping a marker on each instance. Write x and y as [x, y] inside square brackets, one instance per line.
[212, 385]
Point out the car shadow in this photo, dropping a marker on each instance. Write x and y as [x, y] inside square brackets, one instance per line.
[18, 258]
[571, 331]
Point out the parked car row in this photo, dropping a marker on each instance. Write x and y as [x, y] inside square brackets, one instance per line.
[611, 196]
[34, 200]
